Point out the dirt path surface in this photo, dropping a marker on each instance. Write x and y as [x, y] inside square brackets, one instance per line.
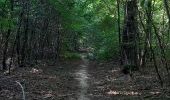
[80, 80]
[82, 76]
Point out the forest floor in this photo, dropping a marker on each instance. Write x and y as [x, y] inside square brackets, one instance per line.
[81, 80]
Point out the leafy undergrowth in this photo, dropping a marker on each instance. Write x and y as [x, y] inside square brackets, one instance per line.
[44, 82]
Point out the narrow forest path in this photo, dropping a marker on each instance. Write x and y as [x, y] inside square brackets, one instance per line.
[82, 76]
[85, 74]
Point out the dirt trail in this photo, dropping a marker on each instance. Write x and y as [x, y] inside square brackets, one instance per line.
[82, 76]
[88, 89]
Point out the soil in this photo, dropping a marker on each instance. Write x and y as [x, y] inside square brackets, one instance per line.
[81, 80]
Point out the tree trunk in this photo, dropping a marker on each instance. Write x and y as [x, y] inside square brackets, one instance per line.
[129, 37]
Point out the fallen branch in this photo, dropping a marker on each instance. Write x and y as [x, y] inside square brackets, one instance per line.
[23, 92]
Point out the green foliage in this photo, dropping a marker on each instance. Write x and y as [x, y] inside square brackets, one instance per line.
[7, 23]
[71, 56]
[6, 19]
[89, 23]
[108, 24]
[108, 48]
[95, 22]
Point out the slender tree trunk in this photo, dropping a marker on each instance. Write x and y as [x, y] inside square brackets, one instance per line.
[7, 37]
[168, 14]
[5, 49]
[25, 39]
[119, 31]
[18, 38]
[149, 38]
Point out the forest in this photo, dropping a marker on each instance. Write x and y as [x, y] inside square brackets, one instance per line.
[84, 50]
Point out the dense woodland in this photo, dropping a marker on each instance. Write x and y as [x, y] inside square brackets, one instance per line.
[92, 43]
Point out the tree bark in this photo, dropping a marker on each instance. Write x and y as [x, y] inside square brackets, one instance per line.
[129, 36]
